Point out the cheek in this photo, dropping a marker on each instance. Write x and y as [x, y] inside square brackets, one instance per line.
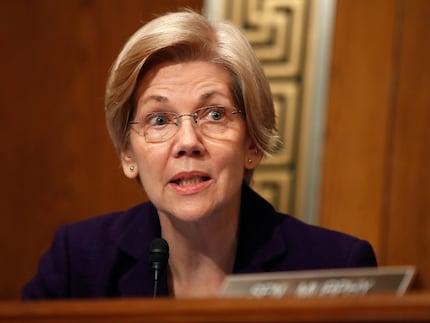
[150, 160]
[231, 156]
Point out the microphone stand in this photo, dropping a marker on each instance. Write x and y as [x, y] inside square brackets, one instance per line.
[158, 257]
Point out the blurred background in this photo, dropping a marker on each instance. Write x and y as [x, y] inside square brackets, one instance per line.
[350, 80]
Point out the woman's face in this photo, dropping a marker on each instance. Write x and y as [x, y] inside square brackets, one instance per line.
[190, 176]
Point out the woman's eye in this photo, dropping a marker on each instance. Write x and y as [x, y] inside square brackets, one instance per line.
[215, 113]
[157, 119]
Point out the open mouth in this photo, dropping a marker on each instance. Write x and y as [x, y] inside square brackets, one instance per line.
[191, 180]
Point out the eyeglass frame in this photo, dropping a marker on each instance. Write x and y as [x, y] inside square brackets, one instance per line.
[176, 117]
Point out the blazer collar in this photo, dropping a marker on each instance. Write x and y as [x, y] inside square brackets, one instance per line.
[260, 242]
[134, 241]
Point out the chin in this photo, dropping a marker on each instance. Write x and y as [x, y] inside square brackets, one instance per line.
[192, 214]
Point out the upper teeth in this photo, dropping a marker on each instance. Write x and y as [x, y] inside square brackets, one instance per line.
[189, 181]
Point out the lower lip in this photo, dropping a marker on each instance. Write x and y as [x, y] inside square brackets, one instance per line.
[190, 189]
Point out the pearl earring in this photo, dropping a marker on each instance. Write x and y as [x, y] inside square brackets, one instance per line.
[249, 161]
[131, 168]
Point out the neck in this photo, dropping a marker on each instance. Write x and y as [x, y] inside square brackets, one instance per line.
[199, 273]
[201, 254]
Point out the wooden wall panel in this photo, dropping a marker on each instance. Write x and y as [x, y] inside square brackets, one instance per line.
[57, 163]
[407, 230]
[358, 120]
[376, 178]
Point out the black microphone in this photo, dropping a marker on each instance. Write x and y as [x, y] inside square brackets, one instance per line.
[158, 256]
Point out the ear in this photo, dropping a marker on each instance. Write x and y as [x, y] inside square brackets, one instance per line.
[253, 156]
[129, 165]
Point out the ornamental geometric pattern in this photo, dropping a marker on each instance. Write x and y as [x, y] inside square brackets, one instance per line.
[276, 30]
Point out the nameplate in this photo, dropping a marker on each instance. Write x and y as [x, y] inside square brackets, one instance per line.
[320, 283]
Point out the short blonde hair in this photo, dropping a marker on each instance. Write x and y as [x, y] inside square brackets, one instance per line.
[188, 36]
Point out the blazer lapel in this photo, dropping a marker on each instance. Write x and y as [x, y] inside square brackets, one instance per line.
[260, 243]
[134, 242]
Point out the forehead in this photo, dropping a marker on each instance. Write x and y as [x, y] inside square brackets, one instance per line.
[191, 79]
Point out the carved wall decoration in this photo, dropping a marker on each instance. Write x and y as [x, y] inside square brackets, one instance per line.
[277, 31]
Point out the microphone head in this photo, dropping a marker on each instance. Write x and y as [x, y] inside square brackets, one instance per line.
[158, 254]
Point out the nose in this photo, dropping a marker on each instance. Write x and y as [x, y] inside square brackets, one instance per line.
[188, 140]
[191, 116]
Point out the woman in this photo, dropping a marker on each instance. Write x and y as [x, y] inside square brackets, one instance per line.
[190, 114]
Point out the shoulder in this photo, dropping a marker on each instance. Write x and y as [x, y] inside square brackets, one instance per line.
[111, 225]
[330, 247]
[87, 257]
[296, 230]
[107, 233]
[296, 244]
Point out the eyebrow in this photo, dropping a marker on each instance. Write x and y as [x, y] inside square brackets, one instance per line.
[157, 98]
[208, 95]
[163, 99]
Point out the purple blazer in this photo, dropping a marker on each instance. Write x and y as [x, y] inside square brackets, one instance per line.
[107, 256]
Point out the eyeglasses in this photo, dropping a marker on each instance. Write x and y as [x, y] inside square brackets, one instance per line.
[213, 121]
